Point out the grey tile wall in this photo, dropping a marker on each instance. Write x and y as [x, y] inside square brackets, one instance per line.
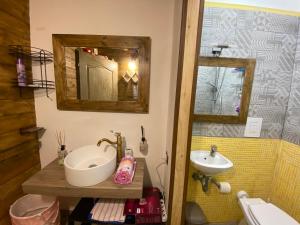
[291, 131]
[272, 40]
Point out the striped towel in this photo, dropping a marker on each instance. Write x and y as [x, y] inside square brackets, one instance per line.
[109, 211]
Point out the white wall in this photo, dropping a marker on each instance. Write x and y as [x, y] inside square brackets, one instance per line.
[172, 93]
[289, 5]
[152, 18]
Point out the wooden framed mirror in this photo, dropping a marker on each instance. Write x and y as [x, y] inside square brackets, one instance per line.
[102, 73]
[223, 89]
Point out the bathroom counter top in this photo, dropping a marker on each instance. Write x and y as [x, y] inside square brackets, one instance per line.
[51, 181]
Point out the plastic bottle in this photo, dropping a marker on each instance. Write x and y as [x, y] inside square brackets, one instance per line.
[21, 72]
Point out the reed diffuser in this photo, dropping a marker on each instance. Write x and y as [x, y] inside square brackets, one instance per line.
[62, 152]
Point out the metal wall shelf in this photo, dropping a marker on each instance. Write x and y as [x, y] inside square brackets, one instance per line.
[37, 57]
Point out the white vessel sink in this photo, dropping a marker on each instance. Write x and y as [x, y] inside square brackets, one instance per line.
[208, 165]
[90, 165]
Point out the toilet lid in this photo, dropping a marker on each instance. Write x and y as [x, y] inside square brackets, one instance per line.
[269, 214]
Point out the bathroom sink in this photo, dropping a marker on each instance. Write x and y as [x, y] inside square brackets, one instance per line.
[90, 164]
[208, 165]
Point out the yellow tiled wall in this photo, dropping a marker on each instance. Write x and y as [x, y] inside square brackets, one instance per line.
[286, 183]
[265, 168]
[254, 164]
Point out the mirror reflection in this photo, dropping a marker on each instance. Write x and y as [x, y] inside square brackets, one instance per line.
[223, 89]
[102, 73]
[219, 90]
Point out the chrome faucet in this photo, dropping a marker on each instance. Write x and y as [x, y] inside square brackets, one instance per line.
[213, 150]
[118, 142]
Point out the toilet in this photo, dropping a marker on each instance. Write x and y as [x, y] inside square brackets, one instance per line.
[258, 212]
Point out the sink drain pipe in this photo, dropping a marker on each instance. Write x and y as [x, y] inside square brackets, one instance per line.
[204, 180]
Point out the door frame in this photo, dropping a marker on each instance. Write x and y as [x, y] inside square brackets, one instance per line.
[191, 29]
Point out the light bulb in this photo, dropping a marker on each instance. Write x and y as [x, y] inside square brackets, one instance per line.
[132, 65]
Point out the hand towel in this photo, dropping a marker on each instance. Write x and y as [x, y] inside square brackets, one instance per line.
[109, 211]
[125, 171]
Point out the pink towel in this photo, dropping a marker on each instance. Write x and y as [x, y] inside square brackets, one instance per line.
[125, 171]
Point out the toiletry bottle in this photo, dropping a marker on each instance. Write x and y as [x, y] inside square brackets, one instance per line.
[21, 72]
[128, 152]
[62, 153]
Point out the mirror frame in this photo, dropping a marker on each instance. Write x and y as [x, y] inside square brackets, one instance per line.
[249, 65]
[60, 41]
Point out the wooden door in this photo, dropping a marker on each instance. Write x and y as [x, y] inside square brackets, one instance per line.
[188, 61]
[98, 77]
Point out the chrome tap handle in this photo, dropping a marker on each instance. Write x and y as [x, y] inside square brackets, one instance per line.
[214, 148]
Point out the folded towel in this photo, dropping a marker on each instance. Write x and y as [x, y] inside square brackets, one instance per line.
[125, 171]
[108, 211]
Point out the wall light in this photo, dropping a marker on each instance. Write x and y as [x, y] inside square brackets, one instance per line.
[132, 65]
[131, 73]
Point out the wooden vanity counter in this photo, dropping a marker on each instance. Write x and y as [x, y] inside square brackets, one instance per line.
[51, 181]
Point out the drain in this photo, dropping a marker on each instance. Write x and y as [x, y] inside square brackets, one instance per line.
[92, 165]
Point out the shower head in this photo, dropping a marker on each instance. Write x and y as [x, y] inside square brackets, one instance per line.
[221, 46]
[218, 48]
[217, 45]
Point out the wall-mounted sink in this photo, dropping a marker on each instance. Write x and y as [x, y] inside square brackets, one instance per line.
[90, 165]
[209, 165]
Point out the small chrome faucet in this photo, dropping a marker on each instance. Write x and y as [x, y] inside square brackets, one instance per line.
[118, 142]
[213, 150]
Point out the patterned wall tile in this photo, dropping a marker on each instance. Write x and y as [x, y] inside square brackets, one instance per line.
[294, 100]
[286, 61]
[244, 38]
[273, 119]
[270, 38]
[268, 59]
[271, 130]
[233, 130]
[271, 88]
[207, 129]
[293, 117]
[264, 41]
[214, 36]
[237, 53]
[288, 42]
[220, 18]
[275, 114]
[261, 21]
[291, 133]
[209, 18]
[291, 130]
[227, 19]
[205, 51]
[245, 20]
[283, 24]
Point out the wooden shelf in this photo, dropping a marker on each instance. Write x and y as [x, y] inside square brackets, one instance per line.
[29, 130]
[51, 181]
